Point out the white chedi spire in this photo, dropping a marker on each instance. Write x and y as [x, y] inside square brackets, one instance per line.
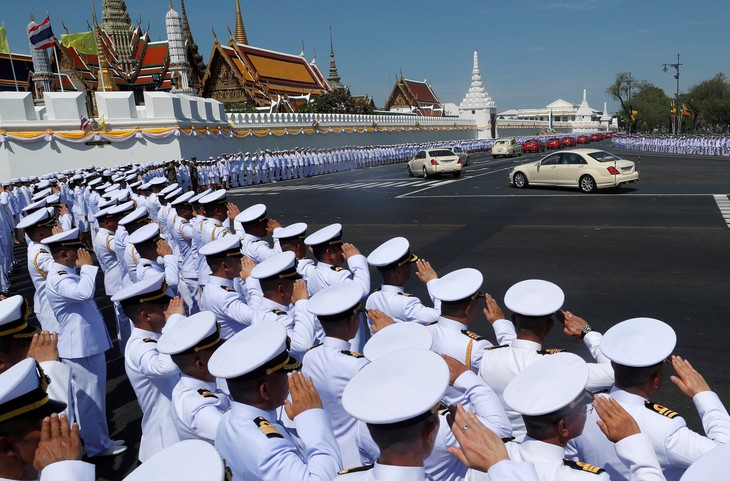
[584, 111]
[477, 96]
[605, 117]
[178, 54]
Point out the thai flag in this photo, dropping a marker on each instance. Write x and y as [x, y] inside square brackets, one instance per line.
[41, 35]
[84, 123]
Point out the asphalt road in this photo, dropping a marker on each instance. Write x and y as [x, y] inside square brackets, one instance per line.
[658, 248]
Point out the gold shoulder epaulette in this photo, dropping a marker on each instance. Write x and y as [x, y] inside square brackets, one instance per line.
[317, 345]
[149, 339]
[583, 466]
[442, 408]
[43, 251]
[550, 351]
[278, 312]
[472, 335]
[508, 439]
[355, 470]
[61, 273]
[146, 265]
[228, 289]
[206, 393]
[267, 428]
[432, 323]
[405, 294]
[658, 408]
[350, 353]
[495, 347]
[337, 268]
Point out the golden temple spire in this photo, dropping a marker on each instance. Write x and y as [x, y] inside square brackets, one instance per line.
[240, 30]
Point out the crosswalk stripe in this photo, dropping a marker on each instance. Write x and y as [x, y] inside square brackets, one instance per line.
[723, 203]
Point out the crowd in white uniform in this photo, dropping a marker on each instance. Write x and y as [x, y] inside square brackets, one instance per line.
[672, 144]
[278, 358]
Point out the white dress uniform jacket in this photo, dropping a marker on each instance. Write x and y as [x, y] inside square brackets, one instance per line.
[231, 309]
[153, 377]
[170, 268]
[401, 306]
[302, 327]
[325, 275]
[331, 365]
[71, 296]
[549, 463]
[257, 248]
[502, 363]
[40, 262]
[198, 407]
[453, 338]
[105, 250]
[676, 446]
[271, 453]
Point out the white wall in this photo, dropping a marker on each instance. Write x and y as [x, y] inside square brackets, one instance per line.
[164, 110]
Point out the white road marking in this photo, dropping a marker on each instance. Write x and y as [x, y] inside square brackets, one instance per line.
[408, 194]
[724, 204]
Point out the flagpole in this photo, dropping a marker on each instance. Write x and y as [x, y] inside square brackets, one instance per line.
[12, 65]
[58, 66]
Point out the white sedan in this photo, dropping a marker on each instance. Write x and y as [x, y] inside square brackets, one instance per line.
[429, 163]
[587, 169]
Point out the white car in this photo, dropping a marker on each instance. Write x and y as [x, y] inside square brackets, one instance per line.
[506, 148]
[429, 163]
[463, 154]
[587, 169]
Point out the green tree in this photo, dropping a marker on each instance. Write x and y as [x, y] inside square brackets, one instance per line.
[338, 101]
[653, 107]
[649, 102]
[709, 102]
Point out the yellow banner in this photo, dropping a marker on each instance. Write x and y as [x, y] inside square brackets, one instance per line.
[84, 42]
[4, 47]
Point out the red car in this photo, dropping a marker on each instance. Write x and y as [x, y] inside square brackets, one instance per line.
[595, 137]
[553, 143]
[583, 139]
[568, 142]
[609, 135]
[533, 145]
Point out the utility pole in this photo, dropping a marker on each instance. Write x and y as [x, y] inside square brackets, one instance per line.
[631, 109]
[677, 115]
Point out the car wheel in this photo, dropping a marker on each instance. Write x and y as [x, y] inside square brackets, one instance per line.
[410, 172]
[425, 172]
[587, 184]
[519, 180]
[494, 156]
[456, 173]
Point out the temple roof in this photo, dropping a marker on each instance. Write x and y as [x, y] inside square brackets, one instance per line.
[23, 69]
[152, 58]
[419, 97]
[264, 74]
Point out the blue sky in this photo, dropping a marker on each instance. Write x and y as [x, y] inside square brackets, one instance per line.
[530, 52]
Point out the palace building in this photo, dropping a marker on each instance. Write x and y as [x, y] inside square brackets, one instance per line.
[241, 73]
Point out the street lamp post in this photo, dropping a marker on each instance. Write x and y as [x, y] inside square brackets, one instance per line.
[675, 66]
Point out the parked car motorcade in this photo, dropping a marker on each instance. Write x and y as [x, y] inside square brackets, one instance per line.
[587, 169]
[582, 139]
[533, 145]
[609, 135]
[568, 142]
[430, 163]
[463, 155]
[506, 148]
[554, 143]
[596, 137]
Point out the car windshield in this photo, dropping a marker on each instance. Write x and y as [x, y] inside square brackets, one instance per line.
[501, 142]
[441, 153]
[456, 149]
[602, 156]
